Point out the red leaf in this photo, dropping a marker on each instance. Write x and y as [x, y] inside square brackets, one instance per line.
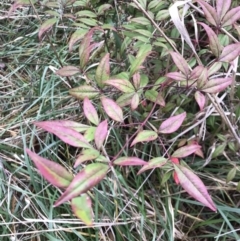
[103, 71]
[66, 134]
[53, 172]
[194, 186]
[222, 8]
[82, 208]
[200, 98]
[89, 177]
[68, 71]
[112, 109]
[129, 161]
[181, 63]
[101, 133]
[216, 85]
[186, 150]
[174, 160]
[175, 177]
[172, 123]
[90, 112]
[230, 52]
[213, 40]
[209, 12]
[231, 17]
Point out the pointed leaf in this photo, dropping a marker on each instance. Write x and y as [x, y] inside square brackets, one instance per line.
[103, 71]
[135, 101]
[89, 177]
[84, 91]
[230, 52]
[231, 17]
[186, 150]
[176, 76]
[194, 186]
[90, 112]
[90, 133]
[200, 98]
[145, 136]
[153, 163]
[213, 40]
[210, 13]
[101, 133]
[86, 155]
[125, 99]
[68, 71]
[129, 161]
[53, 172]
[112, 109]
[222, 8]
[82, 208]
[46, 26]
[181, 63]
[67, 135]
[121, 84]
[154, 96]
[172, 123]
[143, 52]
[216, 85]
[214, 68]
[76, 36]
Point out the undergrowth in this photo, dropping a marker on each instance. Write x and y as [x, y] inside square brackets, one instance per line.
[149, 83]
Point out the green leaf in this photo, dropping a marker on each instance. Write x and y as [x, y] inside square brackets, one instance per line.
[145, 135]
[154, 96]
[231, 174]
[86, 155]
[103, 71]
[121, 84]
[46, 26]
[83, 91]
[82, 208]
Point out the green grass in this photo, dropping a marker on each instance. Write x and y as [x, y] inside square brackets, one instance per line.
[126, 206]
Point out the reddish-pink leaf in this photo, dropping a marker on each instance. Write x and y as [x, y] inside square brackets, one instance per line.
[136, 80]
[19, 3]
[194, 186]
[231, 17]
[112, 109]
[209, 11]
[222, 8]
[89, 177]
[174, 160]
[172, 123]
[90, 112]
[230, 52]
[176, 76]
[129, 161]
[68, 71]
[200, 98]
[82, 208]
[145, 135]
[153, 163]
[216, 85]
[46, 26]
[175, 177]
[53, 172]
[186, 150]
[67, 135]
[213, 40]
[181, 63]
[101, 133]
[121, 84]
[86, 155]
[103, 71]
[135, 101]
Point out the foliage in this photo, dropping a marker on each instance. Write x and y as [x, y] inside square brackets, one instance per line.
[146, 99]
